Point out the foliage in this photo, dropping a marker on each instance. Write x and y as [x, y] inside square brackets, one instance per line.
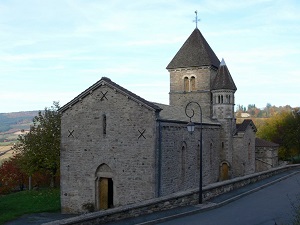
[266, 112]
[283, 129]
[11, 176]
[17, 204]
[40, 148]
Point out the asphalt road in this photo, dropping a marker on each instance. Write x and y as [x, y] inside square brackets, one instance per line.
[269, 206]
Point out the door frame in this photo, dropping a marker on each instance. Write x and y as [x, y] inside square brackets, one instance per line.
[105, 172]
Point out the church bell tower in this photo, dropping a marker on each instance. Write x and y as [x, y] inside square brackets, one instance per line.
[192, 71]
[223, 89]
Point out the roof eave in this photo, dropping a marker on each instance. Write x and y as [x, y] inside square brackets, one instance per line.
[117, 88]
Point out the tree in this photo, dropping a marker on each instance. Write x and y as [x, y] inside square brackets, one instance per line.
[40, 148]
[284, 129]
[11, 176]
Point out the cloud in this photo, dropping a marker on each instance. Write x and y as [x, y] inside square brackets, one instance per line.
[70, 44]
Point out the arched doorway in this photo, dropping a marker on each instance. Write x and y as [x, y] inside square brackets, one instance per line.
[224, 171]
[104, 187]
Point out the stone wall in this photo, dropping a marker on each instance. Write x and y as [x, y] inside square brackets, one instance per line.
[201, 94]
[266, 158]
[185, 198]
[226, 146]
[244, 153]
[180, 156]
[112, 132]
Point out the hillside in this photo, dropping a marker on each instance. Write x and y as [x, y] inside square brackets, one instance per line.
[13, 124]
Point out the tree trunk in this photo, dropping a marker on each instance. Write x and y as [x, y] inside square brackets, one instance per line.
[29, 183]
[52, 182]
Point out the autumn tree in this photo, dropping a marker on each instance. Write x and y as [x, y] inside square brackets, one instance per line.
[284, 129]
[40, 148]
[11, 176]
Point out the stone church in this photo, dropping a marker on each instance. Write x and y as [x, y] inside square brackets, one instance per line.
[118, 148]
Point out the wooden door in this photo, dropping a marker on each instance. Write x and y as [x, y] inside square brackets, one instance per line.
[103, 193]
[224, 171]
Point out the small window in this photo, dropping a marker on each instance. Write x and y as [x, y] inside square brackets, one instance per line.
[186, 84]
[193, 84]
[104, 124]
[183, 163]
[249, 151]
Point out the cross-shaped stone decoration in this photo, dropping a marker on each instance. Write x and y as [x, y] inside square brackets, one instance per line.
[142, 134]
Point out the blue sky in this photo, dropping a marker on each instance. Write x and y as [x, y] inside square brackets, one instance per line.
[52, 50]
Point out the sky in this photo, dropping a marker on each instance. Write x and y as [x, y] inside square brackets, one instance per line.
[52, 50]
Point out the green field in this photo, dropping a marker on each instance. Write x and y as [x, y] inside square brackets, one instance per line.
[17, 204]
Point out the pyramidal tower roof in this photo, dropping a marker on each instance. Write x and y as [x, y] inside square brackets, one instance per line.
[195, 52]
[223, 79]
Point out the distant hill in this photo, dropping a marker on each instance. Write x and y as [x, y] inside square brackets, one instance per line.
[13, 124]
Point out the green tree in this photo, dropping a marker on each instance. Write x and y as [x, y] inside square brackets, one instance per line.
[40, 148]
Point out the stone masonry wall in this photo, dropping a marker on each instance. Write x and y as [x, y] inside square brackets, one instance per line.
[180, 157]
[201, 94]
[226, 147]
[123, 140]
[244, 154]
[266, 158]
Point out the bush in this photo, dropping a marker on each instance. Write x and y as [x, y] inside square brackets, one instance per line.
[296, 159]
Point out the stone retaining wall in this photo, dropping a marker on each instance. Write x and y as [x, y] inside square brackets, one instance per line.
[178, 199]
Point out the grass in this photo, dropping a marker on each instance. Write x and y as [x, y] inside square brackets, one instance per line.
[17, 204]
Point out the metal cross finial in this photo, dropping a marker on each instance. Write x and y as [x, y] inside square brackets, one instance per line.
[196, 19]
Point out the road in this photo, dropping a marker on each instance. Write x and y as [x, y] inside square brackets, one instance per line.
[269, 206]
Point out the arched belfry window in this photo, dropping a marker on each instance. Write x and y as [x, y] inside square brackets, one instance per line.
[193, 83]
[189, 84]
[186, 84]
